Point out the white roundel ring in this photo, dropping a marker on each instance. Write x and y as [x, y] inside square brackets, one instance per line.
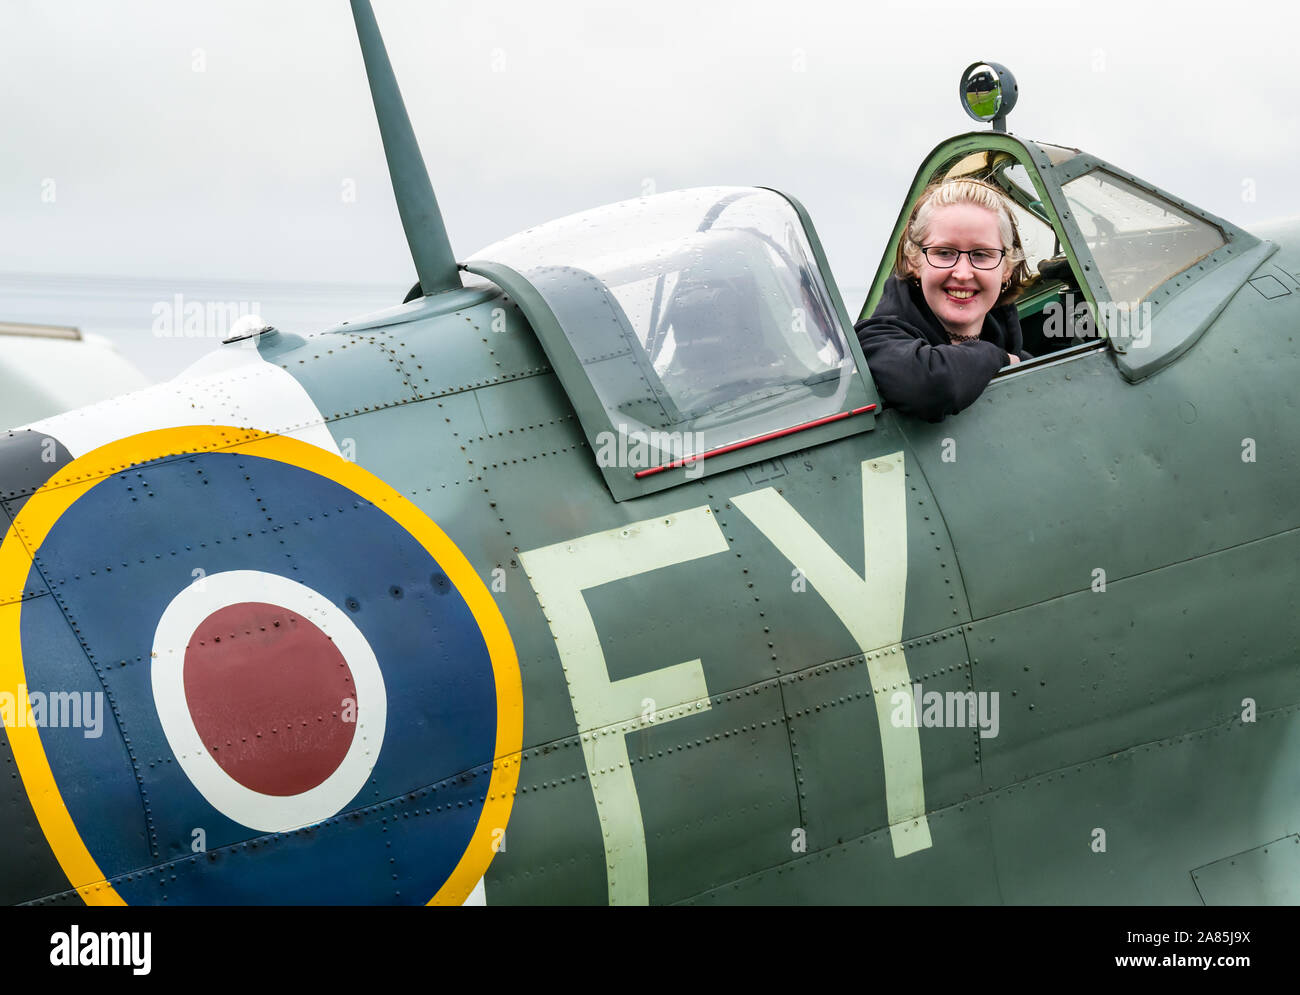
[330, 638]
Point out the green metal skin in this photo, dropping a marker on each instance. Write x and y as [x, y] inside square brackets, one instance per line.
[1121, 709]
[1127, 766]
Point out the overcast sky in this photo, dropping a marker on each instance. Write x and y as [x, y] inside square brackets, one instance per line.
[220, 139]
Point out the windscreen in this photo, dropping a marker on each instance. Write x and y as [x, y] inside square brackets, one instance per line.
[1138, 239]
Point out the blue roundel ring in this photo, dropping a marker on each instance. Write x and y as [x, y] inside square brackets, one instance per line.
[354, 739]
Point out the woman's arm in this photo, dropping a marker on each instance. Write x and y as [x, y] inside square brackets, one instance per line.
[929, 381]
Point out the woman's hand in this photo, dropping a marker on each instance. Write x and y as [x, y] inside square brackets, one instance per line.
[1012, 360]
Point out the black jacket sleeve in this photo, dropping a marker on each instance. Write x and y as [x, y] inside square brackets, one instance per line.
[1015, 337]
[929, 381]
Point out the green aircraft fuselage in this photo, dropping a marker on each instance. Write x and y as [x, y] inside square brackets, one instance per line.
[1041, 651]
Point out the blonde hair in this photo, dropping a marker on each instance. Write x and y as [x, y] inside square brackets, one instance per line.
[964, 191]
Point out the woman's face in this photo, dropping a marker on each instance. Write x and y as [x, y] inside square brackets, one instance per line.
[960, 297]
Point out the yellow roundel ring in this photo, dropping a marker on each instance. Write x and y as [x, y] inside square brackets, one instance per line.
[44, 508]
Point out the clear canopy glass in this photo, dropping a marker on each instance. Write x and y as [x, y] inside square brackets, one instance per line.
[699, 316]
[1138, 239]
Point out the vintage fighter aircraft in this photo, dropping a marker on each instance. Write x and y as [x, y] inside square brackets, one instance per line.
[598, 572]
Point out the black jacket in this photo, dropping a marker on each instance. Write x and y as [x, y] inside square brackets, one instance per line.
[915, 368]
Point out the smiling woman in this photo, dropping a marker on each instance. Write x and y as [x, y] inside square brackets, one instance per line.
[945, 324]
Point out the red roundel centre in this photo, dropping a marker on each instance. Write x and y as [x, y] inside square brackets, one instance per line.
[271, 697]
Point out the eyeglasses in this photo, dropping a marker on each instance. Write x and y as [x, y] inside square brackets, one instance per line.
[945, 257]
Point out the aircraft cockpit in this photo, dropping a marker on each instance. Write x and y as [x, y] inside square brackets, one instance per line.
[687, 325]
[705, 325]
[1137, 239]
[1117, 262]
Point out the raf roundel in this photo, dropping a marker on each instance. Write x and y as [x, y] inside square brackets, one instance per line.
[310, 696]
[270, 697]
